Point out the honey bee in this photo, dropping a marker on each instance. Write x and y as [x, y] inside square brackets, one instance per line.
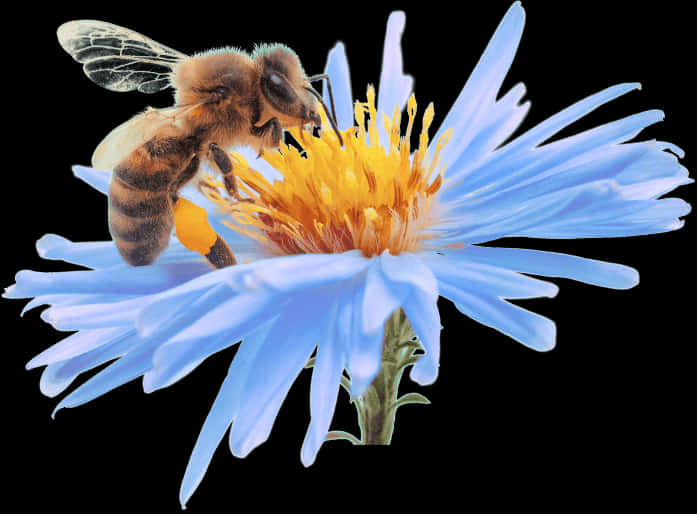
[223, 98]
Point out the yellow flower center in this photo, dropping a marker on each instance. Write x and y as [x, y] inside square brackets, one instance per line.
[332, 198]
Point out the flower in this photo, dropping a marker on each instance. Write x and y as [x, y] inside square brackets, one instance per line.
[350, 250]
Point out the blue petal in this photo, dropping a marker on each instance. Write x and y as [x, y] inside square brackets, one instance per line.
[306, 270]
[549, 264]
[127, 368]
[290, 342]
[101, 254]
[324, 388]
[394, 87]
[364, 349]
[98, 179]
[96, 315]
[76, 344]
[411, 274]
[213, 331]
[528, 328]
[475, 277]
[627, 164]
[380, 299]
[652, 189]
[131, 280]
[338, 70]
[221, 414]
[409, 269]
[176, 305]
[73, 299]
[527, 171]
[475, 110]
[518, 153]
[422, 313]
[59, 375]
[514, 219]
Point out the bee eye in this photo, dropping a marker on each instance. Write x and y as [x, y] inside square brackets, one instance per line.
[276, 79]
[222, 92]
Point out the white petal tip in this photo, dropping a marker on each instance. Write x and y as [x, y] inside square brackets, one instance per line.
[397, 17]
[307, 457]
[148, 385]
[546, 346]
[424, 375]
[9, 292]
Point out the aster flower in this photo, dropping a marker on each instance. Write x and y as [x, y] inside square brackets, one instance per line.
[343, 245]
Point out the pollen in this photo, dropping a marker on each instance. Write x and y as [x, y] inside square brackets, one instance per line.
[372, 194]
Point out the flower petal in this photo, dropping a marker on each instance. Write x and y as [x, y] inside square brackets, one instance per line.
[123, 281]
[408, 268]
[519, 152]
[127, 368]
[222, 413]
[96, 315]
[364, 349]
[422, 313]
[338, 70]
[213, 331]
[411, 274]
[549, 264]
[306, 270]
[292, 338]
[394, 86]
[476, 108]
[380, 299]
[469, 275]
[528, 328]
[77, 344]
[324, 388]
[59, 375]
[98, 179]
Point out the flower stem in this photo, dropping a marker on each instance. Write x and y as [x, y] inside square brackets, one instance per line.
[377, 408]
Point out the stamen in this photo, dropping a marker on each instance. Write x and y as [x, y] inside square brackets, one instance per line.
[368, 194]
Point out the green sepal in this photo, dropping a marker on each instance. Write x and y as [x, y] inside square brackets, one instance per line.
[412, 398]
[336, 435]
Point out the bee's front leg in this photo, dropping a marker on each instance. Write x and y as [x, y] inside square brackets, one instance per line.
[224, 164]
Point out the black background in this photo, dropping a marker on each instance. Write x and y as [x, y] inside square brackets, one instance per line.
[604, 412]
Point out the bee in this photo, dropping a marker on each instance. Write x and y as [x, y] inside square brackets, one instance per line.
[223, 98]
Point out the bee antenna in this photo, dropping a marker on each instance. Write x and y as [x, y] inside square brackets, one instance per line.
[332, 118]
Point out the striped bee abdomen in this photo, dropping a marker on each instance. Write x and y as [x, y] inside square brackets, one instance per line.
[140, 222]
[141, 197]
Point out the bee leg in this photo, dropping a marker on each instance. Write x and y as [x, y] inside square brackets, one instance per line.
[270, 134]
[195, 233]
[192, 227]
[184, 177]
[222, 160]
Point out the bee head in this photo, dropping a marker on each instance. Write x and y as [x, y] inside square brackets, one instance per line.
[284, 86]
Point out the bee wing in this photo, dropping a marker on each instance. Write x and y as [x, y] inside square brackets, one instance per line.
[117, 58]
[135, 132]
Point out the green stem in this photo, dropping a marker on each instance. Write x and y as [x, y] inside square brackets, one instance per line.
[378, 406]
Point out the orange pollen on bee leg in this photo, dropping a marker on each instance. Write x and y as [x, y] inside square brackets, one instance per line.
[363, 195]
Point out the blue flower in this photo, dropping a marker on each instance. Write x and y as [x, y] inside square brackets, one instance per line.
[162, 320]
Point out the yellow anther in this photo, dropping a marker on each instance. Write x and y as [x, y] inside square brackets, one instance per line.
[372, 194]
[370, 213]
[350, 177]
[326, 193]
